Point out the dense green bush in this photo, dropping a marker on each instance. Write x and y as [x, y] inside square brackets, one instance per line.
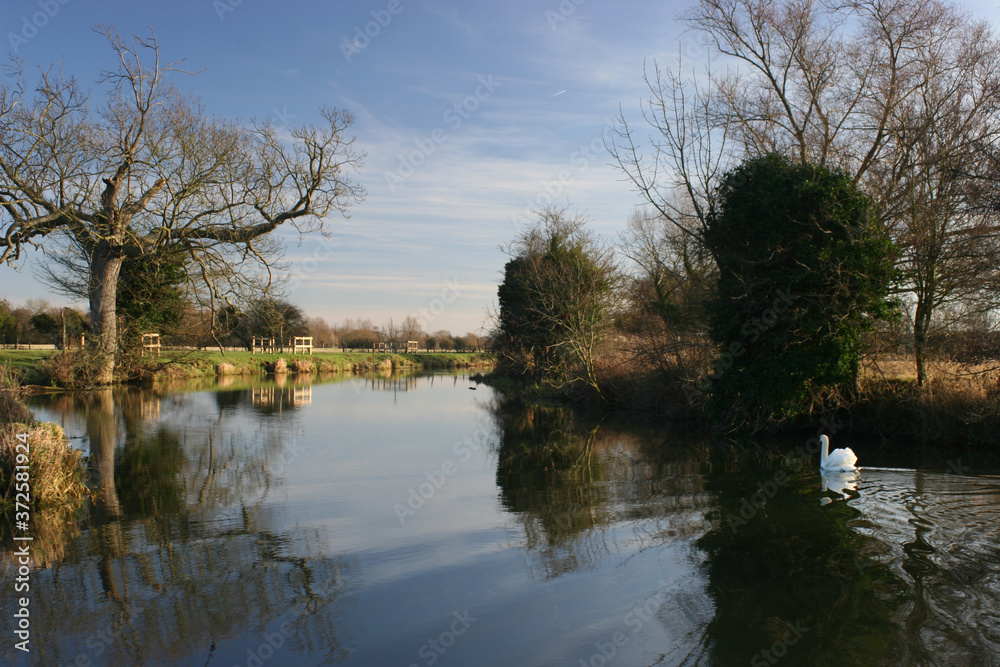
[804, 269]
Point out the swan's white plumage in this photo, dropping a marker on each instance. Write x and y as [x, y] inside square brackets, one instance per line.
[839, 460]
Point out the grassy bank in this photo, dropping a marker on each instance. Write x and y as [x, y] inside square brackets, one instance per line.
[37, 465]
[42, 480]
[205, 364]
[959, 404]
[45, 367]
[23, 360]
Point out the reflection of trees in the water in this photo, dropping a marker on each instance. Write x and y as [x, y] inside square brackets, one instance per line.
[791, 577]
[573, 483]
[772, 559]
[168, 592]
[180, 553]
[194, 455]
[943, 534]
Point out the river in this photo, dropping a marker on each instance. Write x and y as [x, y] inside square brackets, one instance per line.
[419, 520]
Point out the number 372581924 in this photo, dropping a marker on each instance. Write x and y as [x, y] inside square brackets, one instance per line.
[23, 497]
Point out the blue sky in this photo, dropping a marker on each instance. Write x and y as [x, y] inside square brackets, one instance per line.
[471, 115]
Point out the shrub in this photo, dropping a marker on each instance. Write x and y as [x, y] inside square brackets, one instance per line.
[77, 369]
[11, 408]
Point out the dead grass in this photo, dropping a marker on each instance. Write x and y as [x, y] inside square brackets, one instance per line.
[303, 366]
[11, 408]
[70, 369]
[55, 474]
[942, 371]
[958, 403]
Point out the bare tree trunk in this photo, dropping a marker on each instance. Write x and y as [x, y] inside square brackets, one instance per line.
[921, 324]
[104, 270]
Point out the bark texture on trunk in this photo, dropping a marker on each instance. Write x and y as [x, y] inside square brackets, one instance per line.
[104, 269]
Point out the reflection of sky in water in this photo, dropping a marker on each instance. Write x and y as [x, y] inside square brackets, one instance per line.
[589, 541]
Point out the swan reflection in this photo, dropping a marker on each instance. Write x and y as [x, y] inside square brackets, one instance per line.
[839, 483]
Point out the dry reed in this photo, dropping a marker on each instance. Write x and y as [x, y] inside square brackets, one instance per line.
[303, 366]
[55, 474]
[225, 369]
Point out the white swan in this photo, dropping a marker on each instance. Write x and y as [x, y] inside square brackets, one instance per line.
[840, 460]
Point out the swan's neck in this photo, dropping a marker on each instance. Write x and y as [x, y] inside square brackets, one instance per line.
[824, 451]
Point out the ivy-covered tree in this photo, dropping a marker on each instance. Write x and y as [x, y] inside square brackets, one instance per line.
[151, 295]
[804, 269]
[520, 349]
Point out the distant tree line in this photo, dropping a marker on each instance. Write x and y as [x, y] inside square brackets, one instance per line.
[359, 334]
[154, 303]
[278, 319]
[39, 323]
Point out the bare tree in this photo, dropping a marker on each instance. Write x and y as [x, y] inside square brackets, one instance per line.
[390, 330]
[820, 81]
[149, 170]
[443, 340]
[410, 329]
[672, 277]
[321, 332]
[892, 92]
[689, 151]
[948, 245]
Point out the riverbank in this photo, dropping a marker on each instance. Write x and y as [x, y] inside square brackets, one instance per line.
[958, 408]
[190, 365]
[49, 368]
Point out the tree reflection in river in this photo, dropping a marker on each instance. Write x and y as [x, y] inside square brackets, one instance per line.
[573, 483]
[181, 543]
[784, 575]
[790, 576]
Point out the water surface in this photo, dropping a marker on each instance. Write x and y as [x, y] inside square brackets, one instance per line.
[414, 521]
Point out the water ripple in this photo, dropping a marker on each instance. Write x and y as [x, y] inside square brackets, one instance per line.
[941, 532]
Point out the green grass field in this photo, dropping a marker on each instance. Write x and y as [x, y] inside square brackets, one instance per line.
[22, 360]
